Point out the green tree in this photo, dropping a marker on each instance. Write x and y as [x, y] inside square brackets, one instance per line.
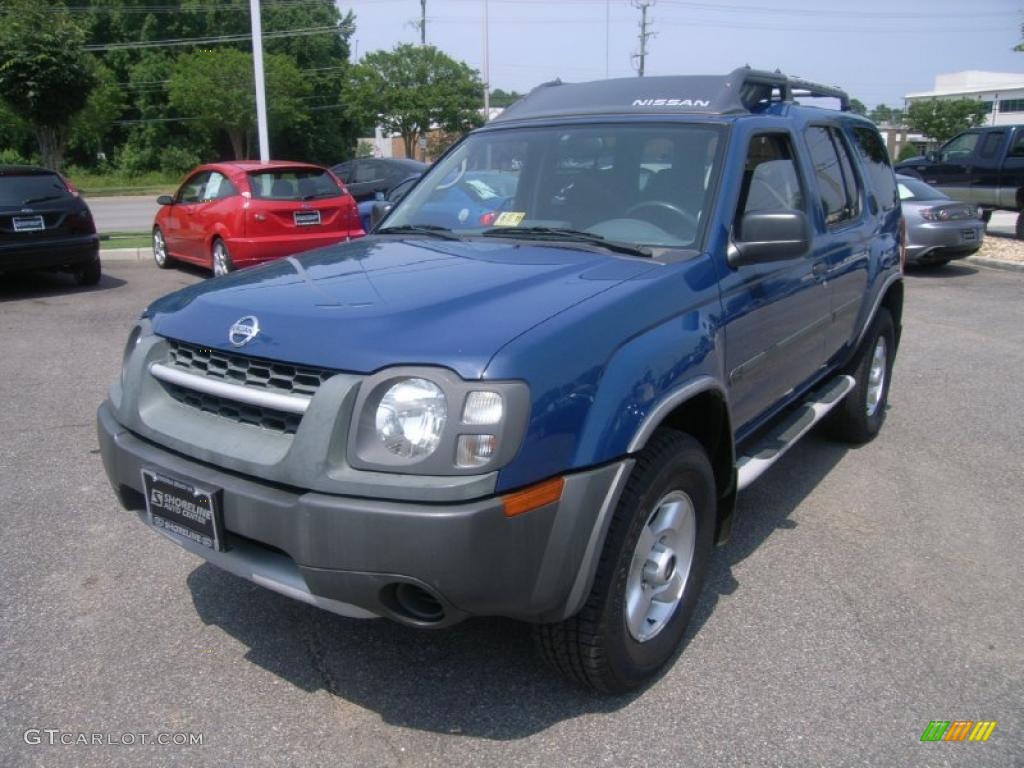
[884, 114]
[940, 119]
[216, 89]
[411, 89]
[91, 128]
[857, 107]
[500, 98]
[45, 76]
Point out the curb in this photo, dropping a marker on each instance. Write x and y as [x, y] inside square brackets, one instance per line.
[126, 254]
[983, 261]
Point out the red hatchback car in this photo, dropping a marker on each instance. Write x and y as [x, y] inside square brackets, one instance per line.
[230, 215]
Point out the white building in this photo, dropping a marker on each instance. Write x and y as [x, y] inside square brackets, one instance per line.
[1001, 92]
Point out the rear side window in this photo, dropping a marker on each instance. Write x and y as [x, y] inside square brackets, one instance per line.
[990, 145]
[875, 161]
[837, 184]
[292, 184]
[26, 189]
[218, 187]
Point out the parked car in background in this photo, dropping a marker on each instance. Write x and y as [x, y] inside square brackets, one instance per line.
[230, 215]
[984, 166]
[45, 225]
[938, 229]
[367, 177]
[473, 196]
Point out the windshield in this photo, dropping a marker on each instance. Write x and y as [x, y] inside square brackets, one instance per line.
[642, 185]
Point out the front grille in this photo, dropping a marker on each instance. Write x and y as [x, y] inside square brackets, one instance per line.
[242, 413]
[248, 371]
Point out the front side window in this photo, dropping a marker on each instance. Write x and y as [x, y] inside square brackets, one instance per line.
[643, 185]
[293, 184]
[194, 188]
[770, 178]
[960, 148]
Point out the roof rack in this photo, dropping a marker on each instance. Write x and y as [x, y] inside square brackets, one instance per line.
[742, 90]
[753, 83]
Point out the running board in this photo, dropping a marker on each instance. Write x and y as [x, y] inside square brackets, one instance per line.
[781, 438]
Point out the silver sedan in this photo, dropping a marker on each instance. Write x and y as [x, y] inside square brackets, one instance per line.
[939, 229]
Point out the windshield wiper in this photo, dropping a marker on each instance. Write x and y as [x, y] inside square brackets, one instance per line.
[559, 234]
[318, 195]
[431, 230]
[42, 199]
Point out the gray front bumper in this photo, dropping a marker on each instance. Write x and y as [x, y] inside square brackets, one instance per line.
[346, 554]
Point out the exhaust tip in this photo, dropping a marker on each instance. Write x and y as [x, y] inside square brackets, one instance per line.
[417, 604]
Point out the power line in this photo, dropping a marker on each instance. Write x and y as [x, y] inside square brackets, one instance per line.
[147, 9]
[241, 37]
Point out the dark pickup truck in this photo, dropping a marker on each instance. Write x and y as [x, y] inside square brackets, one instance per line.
[982, 165]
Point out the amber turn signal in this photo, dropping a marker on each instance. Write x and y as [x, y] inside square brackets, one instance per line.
[534, 497]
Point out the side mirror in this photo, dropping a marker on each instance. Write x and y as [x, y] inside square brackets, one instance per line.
[378, 212]
[165, 200]
[769, 236]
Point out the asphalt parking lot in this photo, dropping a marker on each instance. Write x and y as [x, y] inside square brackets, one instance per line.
[864, 593]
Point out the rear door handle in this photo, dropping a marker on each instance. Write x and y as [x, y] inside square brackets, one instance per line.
[819, 268]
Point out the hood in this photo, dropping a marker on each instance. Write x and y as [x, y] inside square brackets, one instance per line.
[381, 301]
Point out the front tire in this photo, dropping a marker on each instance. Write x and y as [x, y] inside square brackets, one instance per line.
[860, 416]
[650, 574]
[221, 258]
[1020, 226]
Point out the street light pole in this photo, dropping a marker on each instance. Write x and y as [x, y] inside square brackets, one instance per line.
[261, 91]
[487, 68]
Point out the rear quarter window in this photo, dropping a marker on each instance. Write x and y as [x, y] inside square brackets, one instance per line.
[878, 170]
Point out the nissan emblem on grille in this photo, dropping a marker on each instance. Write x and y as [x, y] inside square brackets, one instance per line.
[244, 330]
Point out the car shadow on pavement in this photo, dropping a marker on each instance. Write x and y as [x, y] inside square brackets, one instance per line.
[482, 677]
[763, 509]
[40, 285]
[946, 270]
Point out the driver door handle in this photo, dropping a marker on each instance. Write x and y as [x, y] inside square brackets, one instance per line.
[819, 268]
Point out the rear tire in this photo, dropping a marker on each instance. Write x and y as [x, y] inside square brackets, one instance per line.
[89, 274]
[160, 249]
[650, 574]
[860, 416]
[221, 258]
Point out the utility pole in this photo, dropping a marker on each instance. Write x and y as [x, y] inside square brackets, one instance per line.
[423, 22]
[643, 5]
[487, 67]
[261, 90]
[607, 34]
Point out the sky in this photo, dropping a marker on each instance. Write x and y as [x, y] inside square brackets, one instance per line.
[878, 50]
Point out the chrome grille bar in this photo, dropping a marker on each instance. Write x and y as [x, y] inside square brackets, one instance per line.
[241, 394]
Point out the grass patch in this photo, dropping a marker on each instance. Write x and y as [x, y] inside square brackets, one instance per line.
[109, 240]
[93, 184]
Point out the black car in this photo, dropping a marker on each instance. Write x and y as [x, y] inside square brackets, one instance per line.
[45, 225]
[366, 177]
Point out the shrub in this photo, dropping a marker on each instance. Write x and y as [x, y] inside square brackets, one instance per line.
[175, 161]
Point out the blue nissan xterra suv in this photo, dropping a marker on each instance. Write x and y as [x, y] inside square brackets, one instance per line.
[545, 411]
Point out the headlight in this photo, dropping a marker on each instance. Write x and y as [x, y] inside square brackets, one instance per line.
[411, 418]
[423, 420]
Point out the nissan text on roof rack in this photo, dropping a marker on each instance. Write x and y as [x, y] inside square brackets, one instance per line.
[544, 411]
